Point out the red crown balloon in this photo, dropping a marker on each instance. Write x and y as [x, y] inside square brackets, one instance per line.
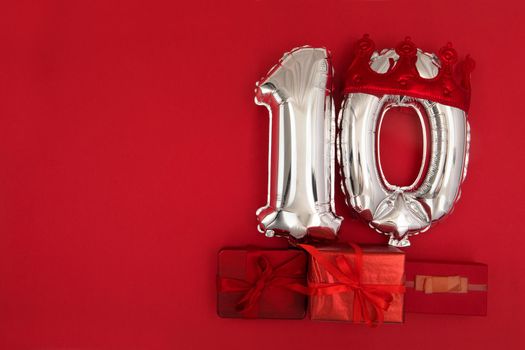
[451, 86]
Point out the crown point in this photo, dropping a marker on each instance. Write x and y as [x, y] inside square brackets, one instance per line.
[406, 49]
[448, 55]
[365, 46]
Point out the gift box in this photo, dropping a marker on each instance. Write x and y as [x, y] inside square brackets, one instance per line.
[446, 288]
[359, 284]
[261, 283]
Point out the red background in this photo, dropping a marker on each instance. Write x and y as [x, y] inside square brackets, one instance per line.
[131, 151]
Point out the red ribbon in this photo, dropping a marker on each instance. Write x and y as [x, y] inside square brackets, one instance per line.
[370, 300]
[284, 275]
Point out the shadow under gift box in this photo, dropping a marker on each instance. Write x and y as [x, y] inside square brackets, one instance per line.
[261, 283]
[446, 288]
[381, 273]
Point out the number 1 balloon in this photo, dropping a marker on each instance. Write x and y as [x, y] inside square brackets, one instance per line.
[297, 93]
[404, 77]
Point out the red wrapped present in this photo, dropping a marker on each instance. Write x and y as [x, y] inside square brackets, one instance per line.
[261, 283]
[446, 288]
[359, 284]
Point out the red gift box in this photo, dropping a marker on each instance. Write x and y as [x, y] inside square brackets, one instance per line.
[261, 283]
[352, 283]
[446, 288]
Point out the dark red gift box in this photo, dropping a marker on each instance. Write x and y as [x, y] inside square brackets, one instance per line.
[359, 284]
[261, 283]
[446, 288]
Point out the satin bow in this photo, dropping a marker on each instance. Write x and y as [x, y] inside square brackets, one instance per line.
[284, 275]
[370, 300]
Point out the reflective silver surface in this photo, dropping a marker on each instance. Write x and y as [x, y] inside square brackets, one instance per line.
[297, 93]
[401, 211]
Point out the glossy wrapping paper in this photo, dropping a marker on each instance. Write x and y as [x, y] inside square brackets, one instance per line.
[382, 265]
[239, 275]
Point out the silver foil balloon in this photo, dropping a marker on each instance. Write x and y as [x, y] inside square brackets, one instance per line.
[297, 93]
[402, 211]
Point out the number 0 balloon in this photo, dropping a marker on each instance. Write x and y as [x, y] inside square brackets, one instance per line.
[297, 93]
[404, 77]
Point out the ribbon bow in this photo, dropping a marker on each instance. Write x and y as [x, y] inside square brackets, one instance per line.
[370, 300]
[441, 284]
[284, 275]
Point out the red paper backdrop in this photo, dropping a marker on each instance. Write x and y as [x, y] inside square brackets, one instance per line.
[131, 151]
